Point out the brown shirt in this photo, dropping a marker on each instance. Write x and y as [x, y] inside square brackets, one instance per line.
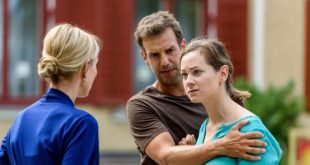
[150, 113]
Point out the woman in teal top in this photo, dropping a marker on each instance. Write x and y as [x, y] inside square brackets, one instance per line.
[207, 78]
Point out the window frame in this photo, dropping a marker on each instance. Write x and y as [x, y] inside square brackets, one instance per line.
[5, 98]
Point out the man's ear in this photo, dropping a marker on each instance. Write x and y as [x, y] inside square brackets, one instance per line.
[142, 53]
[223, 73]
[183, 43]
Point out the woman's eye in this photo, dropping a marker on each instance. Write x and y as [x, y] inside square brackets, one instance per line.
[197, 72]
[184, 75]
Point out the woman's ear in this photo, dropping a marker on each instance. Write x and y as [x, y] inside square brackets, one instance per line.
[84, 70]
[224, 71]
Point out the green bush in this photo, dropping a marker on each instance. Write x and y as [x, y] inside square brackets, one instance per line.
[278, 108]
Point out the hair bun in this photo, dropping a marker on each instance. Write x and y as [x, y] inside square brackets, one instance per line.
[48, 66]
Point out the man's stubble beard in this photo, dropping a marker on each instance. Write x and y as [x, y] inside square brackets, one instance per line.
[171, 81]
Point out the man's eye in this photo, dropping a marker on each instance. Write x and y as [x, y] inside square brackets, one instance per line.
[153, 55]
[169, 51]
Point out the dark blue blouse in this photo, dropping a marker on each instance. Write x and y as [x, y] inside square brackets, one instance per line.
[51, 131]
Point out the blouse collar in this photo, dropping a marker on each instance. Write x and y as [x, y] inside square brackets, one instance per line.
[55, 94]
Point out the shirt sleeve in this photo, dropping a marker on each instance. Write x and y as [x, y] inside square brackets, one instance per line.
[273, 153]
[82, 146]
[4, 159]
[143, 122]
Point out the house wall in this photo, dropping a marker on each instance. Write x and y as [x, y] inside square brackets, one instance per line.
[285, 43]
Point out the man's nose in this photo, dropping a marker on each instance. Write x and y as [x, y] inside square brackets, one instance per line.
[164, 60]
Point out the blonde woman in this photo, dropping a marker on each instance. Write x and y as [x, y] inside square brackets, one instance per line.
[207, 78]
[52, 130]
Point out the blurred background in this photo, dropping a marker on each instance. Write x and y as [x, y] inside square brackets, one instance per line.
[269, 42]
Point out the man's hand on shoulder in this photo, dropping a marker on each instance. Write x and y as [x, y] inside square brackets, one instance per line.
[242, 145]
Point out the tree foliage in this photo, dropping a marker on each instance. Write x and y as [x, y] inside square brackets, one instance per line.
[278, 108]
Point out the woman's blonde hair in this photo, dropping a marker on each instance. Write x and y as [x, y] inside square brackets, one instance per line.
[66, 48]
[216, 55]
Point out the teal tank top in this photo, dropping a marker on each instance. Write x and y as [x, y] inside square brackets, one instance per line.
[273, 153]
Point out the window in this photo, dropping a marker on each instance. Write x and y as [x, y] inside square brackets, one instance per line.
[23, 48]
[22, 24]
[143, 75]
[188, 13]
